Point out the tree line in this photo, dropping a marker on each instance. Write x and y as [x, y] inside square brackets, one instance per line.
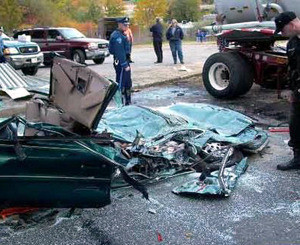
[82, 14]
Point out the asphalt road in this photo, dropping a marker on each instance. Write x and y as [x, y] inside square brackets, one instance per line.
[145, 72]
[264, 208]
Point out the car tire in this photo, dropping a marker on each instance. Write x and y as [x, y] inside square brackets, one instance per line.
[226, 75]
[99, 61]
[78, 56]
[31, 71]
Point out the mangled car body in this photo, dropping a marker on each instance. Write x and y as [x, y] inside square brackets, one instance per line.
[66, 150]
[184, 137]
[43, 164]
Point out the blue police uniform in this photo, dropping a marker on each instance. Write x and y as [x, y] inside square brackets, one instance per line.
[2, 58]
[118, 47]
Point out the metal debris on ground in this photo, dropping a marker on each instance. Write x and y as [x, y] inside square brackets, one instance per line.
[152, 211]
[159, 237]
[11, 82]
[218, 183]
[279, 129]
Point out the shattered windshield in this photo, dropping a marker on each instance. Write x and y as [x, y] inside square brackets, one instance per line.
[71, 33]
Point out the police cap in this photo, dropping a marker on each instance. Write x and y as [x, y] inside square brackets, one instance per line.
[283, 19]
[124, 20]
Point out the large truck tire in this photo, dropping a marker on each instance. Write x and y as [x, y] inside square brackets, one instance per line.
[247, 69]
[227, 75]
[31, 71]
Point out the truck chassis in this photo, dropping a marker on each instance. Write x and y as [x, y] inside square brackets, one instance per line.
[246, 56]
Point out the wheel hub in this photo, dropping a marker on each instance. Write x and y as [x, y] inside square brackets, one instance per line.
[219, 76]
[76, 58]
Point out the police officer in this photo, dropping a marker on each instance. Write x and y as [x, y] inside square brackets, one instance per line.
[289, 25]
[118, 47]
[2, 58]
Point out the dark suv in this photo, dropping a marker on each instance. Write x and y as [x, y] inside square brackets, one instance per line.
[68, 42]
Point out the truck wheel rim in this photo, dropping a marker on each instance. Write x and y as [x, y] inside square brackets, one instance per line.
[219, 76]
[76, 58]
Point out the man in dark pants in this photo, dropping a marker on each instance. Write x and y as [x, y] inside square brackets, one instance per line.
[175, 35]
[157, 32]
[289, 25]
[118, 47]
[2, 58]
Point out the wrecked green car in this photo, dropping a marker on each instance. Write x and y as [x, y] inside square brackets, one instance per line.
[43, 164]
[66, 150]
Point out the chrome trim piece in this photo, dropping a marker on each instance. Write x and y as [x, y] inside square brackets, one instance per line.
[52, 177]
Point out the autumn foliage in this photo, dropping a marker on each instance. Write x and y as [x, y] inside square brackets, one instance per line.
[85, 14]
[146, 11]
[80, 14]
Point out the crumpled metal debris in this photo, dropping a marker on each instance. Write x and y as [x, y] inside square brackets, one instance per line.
[184, 137]
[213, 184]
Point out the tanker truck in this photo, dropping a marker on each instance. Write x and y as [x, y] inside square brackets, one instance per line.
[232, 11]
[247, 50]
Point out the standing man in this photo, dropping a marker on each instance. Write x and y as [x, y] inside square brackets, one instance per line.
[118, 47]
[157, 32]
[175, 35]
[2, 58]
[289, 25]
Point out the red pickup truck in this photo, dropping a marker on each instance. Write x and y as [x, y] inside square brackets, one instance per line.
[68, 42]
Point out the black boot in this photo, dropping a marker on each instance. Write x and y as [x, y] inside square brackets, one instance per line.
[292, 164]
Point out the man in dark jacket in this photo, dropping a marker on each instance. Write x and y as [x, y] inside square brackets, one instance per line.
[175, 35]
[157, 31]
[289, 25]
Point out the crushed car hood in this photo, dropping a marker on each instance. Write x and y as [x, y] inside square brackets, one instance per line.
[80, 92]
[168, 141]
[212, 122]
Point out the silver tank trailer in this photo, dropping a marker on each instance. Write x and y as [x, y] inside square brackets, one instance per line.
[289, 5]
[233, 11]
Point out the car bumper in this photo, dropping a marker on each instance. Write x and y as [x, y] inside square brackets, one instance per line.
[98, 53]
[28, 60]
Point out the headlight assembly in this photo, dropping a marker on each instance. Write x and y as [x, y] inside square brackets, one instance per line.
[92, 46]
[10, 51]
